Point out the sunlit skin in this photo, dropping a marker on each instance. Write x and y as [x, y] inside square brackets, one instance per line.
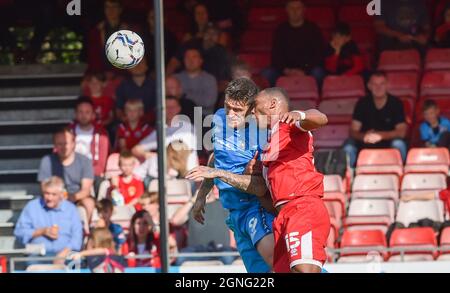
[85, 115]
[133, 114]
[236, 113]
[64, 145]
[52, 195]
[127, 166]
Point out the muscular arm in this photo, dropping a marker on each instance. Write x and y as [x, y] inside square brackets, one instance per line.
[355, 131]
[400, 131]
[314, 119]
[251, 184]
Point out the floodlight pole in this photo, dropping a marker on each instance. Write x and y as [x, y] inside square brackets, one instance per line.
[161, 131]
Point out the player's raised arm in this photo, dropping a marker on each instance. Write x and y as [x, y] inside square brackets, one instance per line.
[307, 120]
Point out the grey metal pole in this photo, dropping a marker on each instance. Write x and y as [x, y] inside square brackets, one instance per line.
[161, 122]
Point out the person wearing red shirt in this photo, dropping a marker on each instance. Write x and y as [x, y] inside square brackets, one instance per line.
[103, 104]
[302, 225]
[130, 187]
[134, 129]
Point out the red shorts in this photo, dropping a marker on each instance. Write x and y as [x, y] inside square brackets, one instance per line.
[301, 232]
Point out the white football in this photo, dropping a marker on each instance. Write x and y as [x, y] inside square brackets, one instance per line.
[124, 49]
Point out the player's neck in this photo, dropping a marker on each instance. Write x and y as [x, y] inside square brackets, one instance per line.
[133, 124]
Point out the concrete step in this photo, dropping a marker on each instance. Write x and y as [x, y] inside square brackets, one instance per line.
[18, 164]
[8, 190]
[35, 103]
[42, 71]
[32, 126]
[8, 243]
[39, 91]
[9, 216]
[37, 115]
[14, 202]
[15, 139]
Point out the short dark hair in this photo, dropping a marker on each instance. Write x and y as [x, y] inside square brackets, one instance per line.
[97, 75]
[289, 1]
[84, 100]
[378, 74]
[429, 104]
[104, 204]
[63, 130]
[278, 92]
[118, 2]
[126, 155]
[343, 29]
[243, 90]
[173, 98]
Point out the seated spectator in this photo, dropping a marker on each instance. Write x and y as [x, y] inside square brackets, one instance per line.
[99, 35]
[435, 130]
[173, 88]
[199, 24]
[442, 36]
[170, 41]
[134, 128]
[241, 69]
[297, 46]
[342, 56]
[199, 86]
[91, 139]
[51, 220]
[75, 169]
[126, 188]
[177, 130]
[403, 25]
[378, 121]
[100, 254]
[142, 240]
[103, 105]
[137, 86]
[105, 209]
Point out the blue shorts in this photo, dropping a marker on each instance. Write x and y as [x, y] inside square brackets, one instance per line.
[249, 226]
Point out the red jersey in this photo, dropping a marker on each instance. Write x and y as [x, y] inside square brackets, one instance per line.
[133, 136]
[103, 106]
[131, 190]
[289, 165]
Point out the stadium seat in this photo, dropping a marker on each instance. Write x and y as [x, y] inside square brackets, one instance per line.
[403, 84]
[333, 183]
[428, 160]
[256, 61]
[103, 189]
[404, 60]
[112, 166]
[368, 214]
[334, 233]
[415, 210]
[437, 59]
[302, 87]
[355, 15]
[444, 242]
[357, 244]
[46, 267]
[178, 191]
[338, 110]
[335, 203]
[365, 38]
[121, 215]
[202, 263]
[266, 18]
[338, 87]
[423, 183]
[256, 41]
[331, 136]
[376, 186]
[417, 243]
[435, 84]
[302, 104]
[324, 17]
[379, 161]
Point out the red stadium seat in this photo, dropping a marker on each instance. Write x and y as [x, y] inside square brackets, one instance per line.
[334, 233]
[404, 84]
[416, 242]
[338, 110]
[323, 16]
[364, 37]
[266, 18]
[331, 136]
[379, 161]
[333, 183]
[112, 166]
[337, 87]
[405, 60]
[368, 214]
[299, 87]
[177, 21]
[437, 59]
[376, 186]
[444, 242]
[303, 104]
[428, 160]
[357, 244]
[256, 41]
[420, 183]
[256, 61]
[355, 15]
[436, 84]
[335, 203]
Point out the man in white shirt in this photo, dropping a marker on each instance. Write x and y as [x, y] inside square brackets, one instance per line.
[178, 129]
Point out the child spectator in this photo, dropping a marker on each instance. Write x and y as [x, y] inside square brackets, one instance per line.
[105, 210]
[342, 54]
[126, 189]
[240, 69]
[435, 130]
[103, 105]
[442, 37]
[134, 129]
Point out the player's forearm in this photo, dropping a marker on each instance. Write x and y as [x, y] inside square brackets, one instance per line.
[314, 119]
[252, 184]
[205, 188]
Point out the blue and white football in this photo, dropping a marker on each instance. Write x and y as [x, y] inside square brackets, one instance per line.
[124, 49]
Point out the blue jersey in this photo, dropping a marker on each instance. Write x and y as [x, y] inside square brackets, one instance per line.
[233, 149]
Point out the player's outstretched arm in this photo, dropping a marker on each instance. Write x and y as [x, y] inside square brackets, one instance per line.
[308, 120]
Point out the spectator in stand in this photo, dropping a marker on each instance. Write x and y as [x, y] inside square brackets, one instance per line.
[126, 188]
[103, 105]
[170, 41]
[105, 209]
[435, 130]
[297, 48]
[177, 130]
[75, 169]
[442, 36]
[134, 128]
[51, 220]
[200, 22]
[137, 86]
[403, 24]
[199, 86]
[99, 35]
[216, 60]
[91, 139]
[342, 56]
[174, 89]
[378, 121]
[241, 69]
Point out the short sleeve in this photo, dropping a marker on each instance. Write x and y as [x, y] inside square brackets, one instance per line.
[45, 169]
[399, 116]
[87, 169]
[359, 113]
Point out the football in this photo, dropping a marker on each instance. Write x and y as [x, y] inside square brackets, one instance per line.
[124, 49]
